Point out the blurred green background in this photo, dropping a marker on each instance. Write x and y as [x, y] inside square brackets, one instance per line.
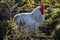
[10, 31]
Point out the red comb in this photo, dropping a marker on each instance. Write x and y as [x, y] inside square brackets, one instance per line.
[42, 5]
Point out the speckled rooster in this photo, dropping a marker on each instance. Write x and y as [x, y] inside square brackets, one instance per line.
[31, 21]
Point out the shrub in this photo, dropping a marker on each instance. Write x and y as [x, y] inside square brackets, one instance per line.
[57, 33]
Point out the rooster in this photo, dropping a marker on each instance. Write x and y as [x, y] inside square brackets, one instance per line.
[31, 21]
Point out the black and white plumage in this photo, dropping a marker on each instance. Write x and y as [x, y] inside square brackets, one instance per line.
[30, 21]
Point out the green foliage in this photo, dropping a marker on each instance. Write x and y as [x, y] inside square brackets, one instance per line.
[57, 33]
[8, 30]
[8, 8]
[49, 11]
[49, 21]
[55, 15]
[57, 5]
